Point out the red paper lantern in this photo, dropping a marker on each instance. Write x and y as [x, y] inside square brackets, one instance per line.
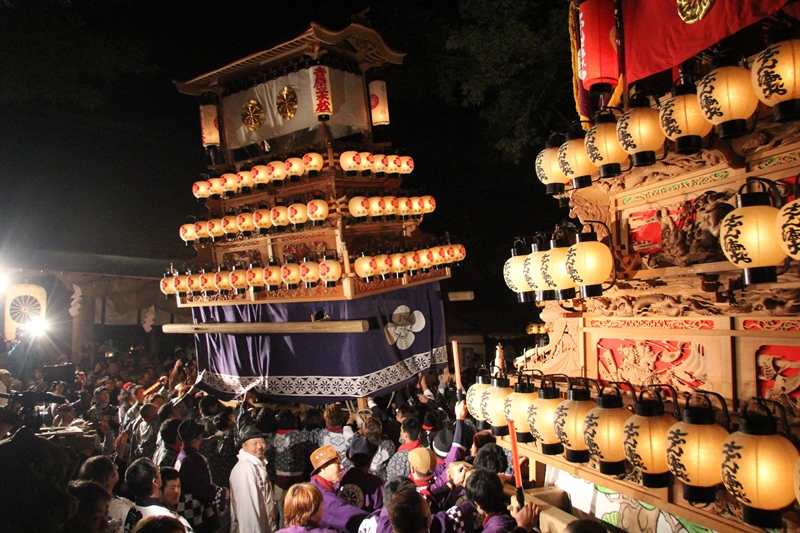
[599, 69]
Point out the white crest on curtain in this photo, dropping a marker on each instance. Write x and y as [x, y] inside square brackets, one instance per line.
[403, 326]
[75, 301]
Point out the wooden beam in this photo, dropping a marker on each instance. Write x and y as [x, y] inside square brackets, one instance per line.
[270, 328]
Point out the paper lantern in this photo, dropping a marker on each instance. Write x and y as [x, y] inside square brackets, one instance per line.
[378, 103]
[317, 211]
[693, 448]
[405, 207]
[513, 274]
[748, 238]
[244, 180]
[294, 168]
[290, 273]
[272, 275]
[383, 266]
[330, 270]
[542, 417]
[201, 190]
[365, 267]
[412, 262]
[756, 462]
[426, 259]
[167, 285]
[406, 165]
[201, 230]
[187, 233]
[321, 94]
[193, 284]
[255, 277]
[359, 208]
[682, 120]
[313, 163]
[573, 159]
[261, 176]
[393, 164]
[417, 207]
[775, 77]
[547, 168]
[475, 395]
[787, 226]
[554, 270]
[276, 170]
[604, 435]
[597, 60]
[428, 204]
[209, 120]
[244, 221]
[222, 279]
[279, 216]
[440, 257]
[379, 162]
[399, 264]
[589, 263]
[516, 407]
[262, 218]
[214, 228]
[569, 422]
[726, 97]
[532, 272]
[376, 208]
[461, 253]
[181, 285]
[238, 278]
[230, 184]
[602, 146]
[229, 225]
[309, 272]
[298, 214]
[646, 441]
[365, 166]
[350, 163]
[391, 207]
[215, 188]
[207, 282]
[493, 403]
[639, 132]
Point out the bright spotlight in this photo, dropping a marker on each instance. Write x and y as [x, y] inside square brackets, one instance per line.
[37, 326]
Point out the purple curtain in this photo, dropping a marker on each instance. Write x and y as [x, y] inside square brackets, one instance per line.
[406, 336]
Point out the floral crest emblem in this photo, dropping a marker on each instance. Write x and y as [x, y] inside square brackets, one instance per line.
[403, 326]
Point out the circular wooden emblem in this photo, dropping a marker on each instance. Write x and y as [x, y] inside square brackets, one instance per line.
[286, 103]
[252, 115]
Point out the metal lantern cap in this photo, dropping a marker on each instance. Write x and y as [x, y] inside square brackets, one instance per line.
[559, 243]
[501, 382]
[604, 118]
[540, 246]
[548, 393]
[586, 236]
[683, 89]
[579, 395]
[638, 100]
[749, 199]
[698, 415]
[483, 379]
[609, 401]
[758, 424]
[524, 387]
[649, 408]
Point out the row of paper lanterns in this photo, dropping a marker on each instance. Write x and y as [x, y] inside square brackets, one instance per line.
[385, 265]
[727, 98]
[276, 172]
[752, 463]
[554, 270]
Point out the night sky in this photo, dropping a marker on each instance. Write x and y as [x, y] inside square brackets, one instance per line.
[116, 178]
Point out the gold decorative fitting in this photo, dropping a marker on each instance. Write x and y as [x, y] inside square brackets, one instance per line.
[286, 103]
[692, 11]
[252, 115]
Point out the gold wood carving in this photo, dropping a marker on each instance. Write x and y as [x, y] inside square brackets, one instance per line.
[591, 204]
[674, 165]
[252, 115]
[664, 323]
[286, 103]
[771, 325]
[692, 11]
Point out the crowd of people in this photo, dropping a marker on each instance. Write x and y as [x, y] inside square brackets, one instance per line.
[167, 458]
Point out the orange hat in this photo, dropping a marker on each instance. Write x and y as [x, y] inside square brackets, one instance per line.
[323, 456]
[422, 460]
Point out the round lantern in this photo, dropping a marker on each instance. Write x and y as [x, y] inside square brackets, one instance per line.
[181, 285]
[603, 432]
[573, 160]
[493, 403]
[272, 275]
[440, 257]
[748, 238]
[207, 282]
[532, 271]
[787, 225]
[193, 284]
[412, 262]
[187, 233]
[639, 132]
[426, 259]
[726, 97]
[376, 208]
[294, 168]
[365, 267]
[260, 176]
[201, 230]
[359, 208]
[589, 263]
[214, 226]
[244, 221]
[276, 170]
[391, 206]
[693, 448]
[682, 120]
[290, 273]
[417, 206]
[517, 404]
[222, 280]
[597, 61]
[229, 225]
[428, 204]
[244, 179]
[602, 146]
[554, 270]
[547, 168]
[230, 184]
[542, 417]
[646, 440]
[775, 76]
[570, 417]
[201, 190]
[313, 163]
[298, 214]
[379, 162]
[167, 285]
[279, 215]
[475, 395]
[317, 211]
[262, 218]
[461, 254]
[350, 163]
[399, 264]
[255, 277]
[393, 164]
[238, 279]
[756, 461]
[405, 207]
[309, 272]
[215, 188]
[383, 266]
[365, 165]
[406, 165]
[514, 276]
[330, 270]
